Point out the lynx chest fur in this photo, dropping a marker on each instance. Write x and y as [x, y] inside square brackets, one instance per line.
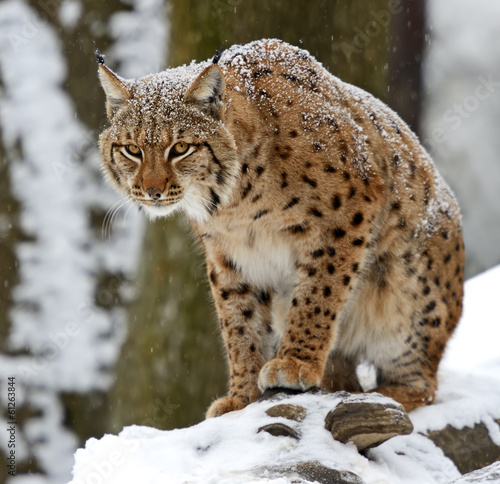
[330, 238]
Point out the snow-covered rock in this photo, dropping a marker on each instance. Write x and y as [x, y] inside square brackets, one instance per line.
[489, 474]
[230, 449]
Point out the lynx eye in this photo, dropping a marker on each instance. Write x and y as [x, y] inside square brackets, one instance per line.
[180, 148]
[133, 150]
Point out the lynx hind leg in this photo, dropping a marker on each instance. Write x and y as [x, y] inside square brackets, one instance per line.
[410, 352]
[340, 374]
[412, 388]
[407, 309]
[410, 376]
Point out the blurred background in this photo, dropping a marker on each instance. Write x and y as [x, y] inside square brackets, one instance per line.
[106, 321]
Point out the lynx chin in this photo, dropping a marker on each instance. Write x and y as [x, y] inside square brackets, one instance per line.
[330, 237]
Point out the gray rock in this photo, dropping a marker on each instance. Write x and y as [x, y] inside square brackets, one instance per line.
[468, 448]
[280, 430]
[367, 424]
[288, 411]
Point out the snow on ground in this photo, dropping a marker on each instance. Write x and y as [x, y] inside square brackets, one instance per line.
[225, 449]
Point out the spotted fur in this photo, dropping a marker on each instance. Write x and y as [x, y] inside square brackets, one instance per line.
[330, 238]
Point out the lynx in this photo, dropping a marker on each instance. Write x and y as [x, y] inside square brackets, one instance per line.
[330, 238]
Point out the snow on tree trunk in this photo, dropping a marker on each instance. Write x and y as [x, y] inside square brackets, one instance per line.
[64, 324]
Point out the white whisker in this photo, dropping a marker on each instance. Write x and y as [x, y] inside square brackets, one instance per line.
[108, 215]
[111, 214]
[132, 204]
[114, 218]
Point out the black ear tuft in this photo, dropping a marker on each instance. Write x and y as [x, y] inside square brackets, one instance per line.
[218, 55]
[99, 57]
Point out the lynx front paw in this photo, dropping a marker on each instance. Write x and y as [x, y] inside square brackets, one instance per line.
[289, 372]
[224, 405]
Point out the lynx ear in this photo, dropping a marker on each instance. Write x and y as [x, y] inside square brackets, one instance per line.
[207, 92]
[116, 92]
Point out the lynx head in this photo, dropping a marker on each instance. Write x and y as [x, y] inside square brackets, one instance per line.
[167, 147]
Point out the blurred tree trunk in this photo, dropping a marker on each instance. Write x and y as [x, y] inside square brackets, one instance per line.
[171, 365]
[10, 234]
[405, 63]
[350, 38]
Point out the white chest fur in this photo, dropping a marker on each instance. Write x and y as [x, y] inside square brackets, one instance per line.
[266, 262]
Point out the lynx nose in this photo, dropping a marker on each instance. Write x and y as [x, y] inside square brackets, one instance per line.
[154, 193]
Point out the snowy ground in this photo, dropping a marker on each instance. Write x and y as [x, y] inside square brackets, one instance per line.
[225, 449]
